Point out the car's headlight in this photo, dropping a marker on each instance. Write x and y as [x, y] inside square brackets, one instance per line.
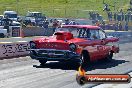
[73, 47]
[32, 45]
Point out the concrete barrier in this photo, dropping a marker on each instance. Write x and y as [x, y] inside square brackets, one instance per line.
[9, 49]
[21, 48]
[119, 34]
[37, 31]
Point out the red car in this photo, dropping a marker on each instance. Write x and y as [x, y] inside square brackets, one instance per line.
[79, 43]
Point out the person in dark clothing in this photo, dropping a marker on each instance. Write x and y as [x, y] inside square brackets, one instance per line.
[115, 16]
[119, 17]
[46, 24]
[120, 26]
[126, 26]
[109, 16]
[130, 2]
[126, 17]
[55, 24]
[106, 7]
[116, 27]
[67, 21]
[122, 16]
[131, 17]
[6, 23]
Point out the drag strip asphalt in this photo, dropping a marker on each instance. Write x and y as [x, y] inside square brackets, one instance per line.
[23, 72]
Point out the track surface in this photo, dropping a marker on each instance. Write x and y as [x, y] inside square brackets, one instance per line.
[23, 72]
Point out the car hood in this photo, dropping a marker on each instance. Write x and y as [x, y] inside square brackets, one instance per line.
[52, 43]
[51, 39]
[47, 43]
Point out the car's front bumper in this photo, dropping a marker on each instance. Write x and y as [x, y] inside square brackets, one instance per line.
[53, 55]
[115, 49]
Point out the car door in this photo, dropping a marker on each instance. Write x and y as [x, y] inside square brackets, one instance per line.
[95, 47]
[103, 48]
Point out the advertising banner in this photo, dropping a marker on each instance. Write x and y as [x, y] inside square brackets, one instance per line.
[8, 49]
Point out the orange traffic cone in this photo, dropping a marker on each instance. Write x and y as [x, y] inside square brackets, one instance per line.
[21, 33]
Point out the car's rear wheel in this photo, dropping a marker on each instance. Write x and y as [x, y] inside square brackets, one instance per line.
[85, 59]
[109, 56]
[42, 62]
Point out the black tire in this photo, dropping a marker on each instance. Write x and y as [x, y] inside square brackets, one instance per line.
[80, 80]
[2, 35]
[42, 62]
[85, 59]
[109, 56]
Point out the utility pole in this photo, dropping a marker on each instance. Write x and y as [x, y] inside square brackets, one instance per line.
[103, 2]
[17, 5]
[41, 5]
[115, 5]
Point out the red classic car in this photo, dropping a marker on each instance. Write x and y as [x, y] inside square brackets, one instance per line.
[79, 43]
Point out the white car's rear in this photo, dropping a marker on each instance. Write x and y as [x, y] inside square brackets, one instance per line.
[3, 33]
[11, 15]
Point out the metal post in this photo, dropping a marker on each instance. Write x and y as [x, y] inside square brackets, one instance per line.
[115, 5]
[17, 5]
[77, 13]
[65, 11]
[41, 5]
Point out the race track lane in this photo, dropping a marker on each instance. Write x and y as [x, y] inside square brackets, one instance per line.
[24, 72]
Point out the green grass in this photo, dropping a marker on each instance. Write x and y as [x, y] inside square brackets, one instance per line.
[61, 8]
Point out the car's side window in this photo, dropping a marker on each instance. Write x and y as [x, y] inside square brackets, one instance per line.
[74, 31]
[81, 33]
[94, 34]
[102, 34]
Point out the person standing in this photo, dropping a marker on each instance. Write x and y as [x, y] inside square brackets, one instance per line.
[120, 26]
[67, 21]
[126, 26]
[46, 24]
[106, 7]
[130, 3]
[115, 16]
[50, 23]
[55, 25]
[6, 22]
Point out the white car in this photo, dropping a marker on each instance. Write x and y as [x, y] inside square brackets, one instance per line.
[11, 15]
[3, 33]
[34, 17]
[14, 29]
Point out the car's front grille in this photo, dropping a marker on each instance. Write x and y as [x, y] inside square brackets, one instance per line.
[50, 53]
[53, 54]
[53, 45]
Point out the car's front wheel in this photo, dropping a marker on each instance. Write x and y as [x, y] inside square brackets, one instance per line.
[42, 62]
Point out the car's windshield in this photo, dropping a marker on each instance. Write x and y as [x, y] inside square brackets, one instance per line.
[34, 14]
[74, 31]
[11, 15]
[82, 32]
